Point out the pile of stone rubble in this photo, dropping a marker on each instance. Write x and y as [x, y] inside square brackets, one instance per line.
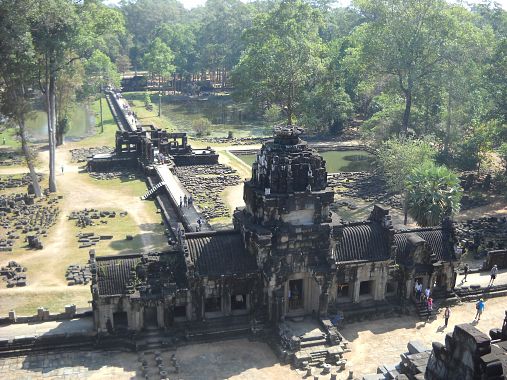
[14, 274]
[84, 154]
[91, 217]
[24, 214]
[11, 181]
[78, 275]
[10, 159]
[206, 183]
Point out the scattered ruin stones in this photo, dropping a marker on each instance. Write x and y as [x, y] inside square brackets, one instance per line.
[369, 187]
[14, 274]
[23, 214]
[84, 154]
[78, 275]
[205, 183]
[484, 234]
[112, 175]
[92, 217]
[10, 159]
[12, 181]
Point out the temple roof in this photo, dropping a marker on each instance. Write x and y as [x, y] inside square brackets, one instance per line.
[437, 239]
[362, 242]
[219, 252]
[114, 272]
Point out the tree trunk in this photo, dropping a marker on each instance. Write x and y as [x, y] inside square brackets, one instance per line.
[51, 129]
[406, 114]
[448, 126]
[174, 83]
[159, 95]
[101, 115]
[28, 157]
[289, 105]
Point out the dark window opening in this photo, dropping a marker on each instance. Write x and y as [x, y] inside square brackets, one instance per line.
[150, 317]
[295, 294]
[212, 304]
[180, 311]
[365, 288]
[390, 287]
[120, 320]
[342, 290]
[238, 302]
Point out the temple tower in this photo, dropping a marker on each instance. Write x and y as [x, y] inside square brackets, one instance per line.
[285, 224]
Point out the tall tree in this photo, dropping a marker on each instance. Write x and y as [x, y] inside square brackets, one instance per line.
[64, 31]
[283, 52]
[405, 39]
[17, 73]
[101, 72]
[159, 61]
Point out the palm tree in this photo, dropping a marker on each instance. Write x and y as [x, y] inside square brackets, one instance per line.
[433, 193]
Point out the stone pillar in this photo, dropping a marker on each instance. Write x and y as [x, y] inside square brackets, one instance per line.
[160, 316]
[323, 303]
[355, 291]
[189, 306]
[226, 301]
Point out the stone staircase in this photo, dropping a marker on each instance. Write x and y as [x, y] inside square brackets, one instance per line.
[422, 310]
[152, 191]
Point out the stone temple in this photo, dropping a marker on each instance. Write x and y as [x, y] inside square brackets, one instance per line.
[287, 256]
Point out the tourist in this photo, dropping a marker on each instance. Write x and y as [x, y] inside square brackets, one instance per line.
[479, 306]
[62, 169]
[494, 272]
[190, 201]
[418, 291]
[181, 202]
[4, 140]
[427, 293]
[199, 223]
[447, 314]
[185, 201]
[429, 306]
[465, 269]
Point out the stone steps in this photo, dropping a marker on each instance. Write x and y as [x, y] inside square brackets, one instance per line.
[313, 343]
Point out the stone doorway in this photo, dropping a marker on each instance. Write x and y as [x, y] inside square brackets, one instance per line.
[150, 317]
[120, 320]
[296, 296]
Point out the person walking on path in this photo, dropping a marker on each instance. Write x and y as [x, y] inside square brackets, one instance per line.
[418, 291]
[427, 293]
[465, 269]
[447, 314]
[62, 169]
[494, 272]
[185, 201]
[429, 306]
[480, 308]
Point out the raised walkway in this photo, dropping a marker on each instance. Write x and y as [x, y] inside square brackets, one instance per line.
[82, 325]
[177, 191]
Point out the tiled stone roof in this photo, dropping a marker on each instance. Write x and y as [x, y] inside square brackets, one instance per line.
[219, 252]
[437, 239]
[362, 242]
[113, 273]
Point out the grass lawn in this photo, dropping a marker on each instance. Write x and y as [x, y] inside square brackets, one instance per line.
[106, 138]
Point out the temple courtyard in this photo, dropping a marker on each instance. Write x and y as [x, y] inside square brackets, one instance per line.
[372, 343]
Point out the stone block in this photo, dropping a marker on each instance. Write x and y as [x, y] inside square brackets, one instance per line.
[416, 347]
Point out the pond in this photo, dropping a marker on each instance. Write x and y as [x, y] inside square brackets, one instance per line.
[336, 161]
[81, 122]
[224, 114]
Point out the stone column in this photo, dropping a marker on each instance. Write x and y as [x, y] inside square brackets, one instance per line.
[160, 316]
[355, 291]
[189, 306]
[323, 303]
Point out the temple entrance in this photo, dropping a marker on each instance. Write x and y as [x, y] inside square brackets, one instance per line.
[120, 320]
[296, 296]
[238, 302]
[150, 317]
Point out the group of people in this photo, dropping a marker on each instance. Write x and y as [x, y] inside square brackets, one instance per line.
[492, 274]
[186, 201]
[424, 297]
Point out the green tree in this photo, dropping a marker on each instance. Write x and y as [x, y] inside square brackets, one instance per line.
[17, 73]
[101, 72]
[433, 193]
[64, 31]
[159, 61]
[406, 40]
[283, 52]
